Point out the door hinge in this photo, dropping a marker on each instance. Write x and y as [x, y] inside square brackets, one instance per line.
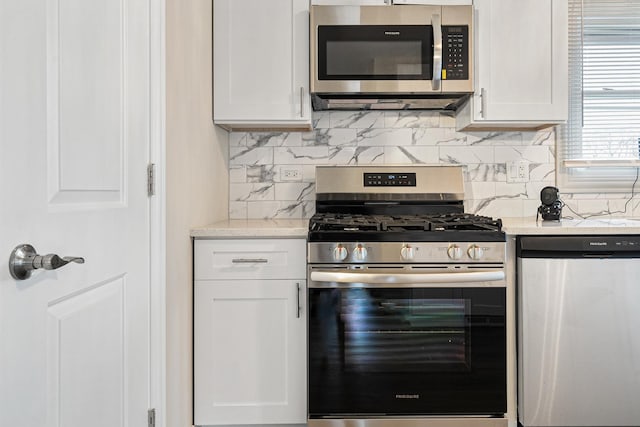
[151, 417]
[151, 179]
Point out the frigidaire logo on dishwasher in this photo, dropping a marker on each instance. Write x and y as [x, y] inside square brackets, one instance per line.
[392, 33]
[407, 396]
[597, 243]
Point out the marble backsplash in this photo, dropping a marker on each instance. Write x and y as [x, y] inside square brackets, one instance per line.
[272, 174]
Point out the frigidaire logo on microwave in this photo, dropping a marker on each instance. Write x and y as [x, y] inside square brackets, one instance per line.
[407, 396]
[392, 33]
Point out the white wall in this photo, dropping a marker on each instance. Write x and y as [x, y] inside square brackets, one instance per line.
[196, 182]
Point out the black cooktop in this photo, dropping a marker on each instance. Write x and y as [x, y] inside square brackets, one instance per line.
[422, 227]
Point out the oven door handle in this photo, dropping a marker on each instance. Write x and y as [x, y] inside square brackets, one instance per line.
[408, 279]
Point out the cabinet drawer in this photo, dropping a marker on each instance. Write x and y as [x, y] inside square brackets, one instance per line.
[250, 259]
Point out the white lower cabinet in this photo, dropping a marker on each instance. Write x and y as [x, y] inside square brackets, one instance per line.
[250, 335]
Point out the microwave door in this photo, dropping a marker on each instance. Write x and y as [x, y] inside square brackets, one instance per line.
[376, 59]
[375, 52]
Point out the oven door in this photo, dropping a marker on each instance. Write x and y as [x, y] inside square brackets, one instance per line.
[395, 342]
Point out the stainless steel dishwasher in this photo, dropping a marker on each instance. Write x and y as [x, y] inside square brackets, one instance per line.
[579, 330]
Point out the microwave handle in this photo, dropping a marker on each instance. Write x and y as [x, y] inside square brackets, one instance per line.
[436, 24]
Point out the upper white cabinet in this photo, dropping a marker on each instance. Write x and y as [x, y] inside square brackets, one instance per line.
[261, 64]
[521, 65]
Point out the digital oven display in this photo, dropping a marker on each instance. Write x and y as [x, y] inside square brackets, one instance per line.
[389, 179]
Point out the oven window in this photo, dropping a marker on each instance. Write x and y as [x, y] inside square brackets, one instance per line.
[407, 351]
[402, 334]
[375, 52]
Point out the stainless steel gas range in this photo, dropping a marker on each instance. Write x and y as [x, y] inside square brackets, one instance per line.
[407, 302]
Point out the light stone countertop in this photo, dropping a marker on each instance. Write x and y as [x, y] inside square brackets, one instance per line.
[253, 228]
[297, 228]
[529, 226]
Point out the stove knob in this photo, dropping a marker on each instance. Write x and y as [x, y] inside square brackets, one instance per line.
[475, 252]
[360, 253]
[407, 253]
[340, 253]
[454, 252]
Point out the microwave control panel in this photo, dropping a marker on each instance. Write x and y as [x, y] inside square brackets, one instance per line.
[455, 52]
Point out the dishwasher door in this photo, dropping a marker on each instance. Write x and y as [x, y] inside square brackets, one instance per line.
[579, 331]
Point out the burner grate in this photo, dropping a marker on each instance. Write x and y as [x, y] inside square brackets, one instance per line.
[463, 221]
[404, 223]
[343, 222]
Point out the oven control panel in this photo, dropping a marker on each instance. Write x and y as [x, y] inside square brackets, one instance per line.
[405, 252]
[389, 179]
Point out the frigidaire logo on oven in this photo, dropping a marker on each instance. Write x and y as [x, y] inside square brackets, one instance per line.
[598, 243]
[392, 33]
[407, 396]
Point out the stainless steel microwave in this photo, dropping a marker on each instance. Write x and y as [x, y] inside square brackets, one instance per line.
[384, 55]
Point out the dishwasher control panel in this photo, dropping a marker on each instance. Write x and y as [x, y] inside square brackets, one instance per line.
[584, 246]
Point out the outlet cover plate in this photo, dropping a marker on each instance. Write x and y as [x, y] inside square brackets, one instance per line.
[291, 173]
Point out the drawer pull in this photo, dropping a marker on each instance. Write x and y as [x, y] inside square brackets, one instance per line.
[249, 260]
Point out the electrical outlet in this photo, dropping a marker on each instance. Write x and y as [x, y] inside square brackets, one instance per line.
[291, 173]
[518, 171]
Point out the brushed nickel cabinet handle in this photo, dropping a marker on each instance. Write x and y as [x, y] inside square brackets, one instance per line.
[298, 301]
[249, 260]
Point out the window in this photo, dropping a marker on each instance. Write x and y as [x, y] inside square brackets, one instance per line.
[599, 147]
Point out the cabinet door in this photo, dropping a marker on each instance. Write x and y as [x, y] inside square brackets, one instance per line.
[350, 2]
[261, 62]
[435, 2]
[521, 59]
[250, 352]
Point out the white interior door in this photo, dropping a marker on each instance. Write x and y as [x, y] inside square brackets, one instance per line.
[74, 144]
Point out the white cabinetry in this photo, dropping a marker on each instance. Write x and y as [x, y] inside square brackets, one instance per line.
[250, 332]
[521, 65]
[351, 2]
[388, 2]
[435, 2]
[261, 64]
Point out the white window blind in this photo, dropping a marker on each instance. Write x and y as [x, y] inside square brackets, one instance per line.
[599, 147]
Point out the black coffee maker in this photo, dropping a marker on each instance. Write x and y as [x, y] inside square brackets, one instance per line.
[551, 207]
